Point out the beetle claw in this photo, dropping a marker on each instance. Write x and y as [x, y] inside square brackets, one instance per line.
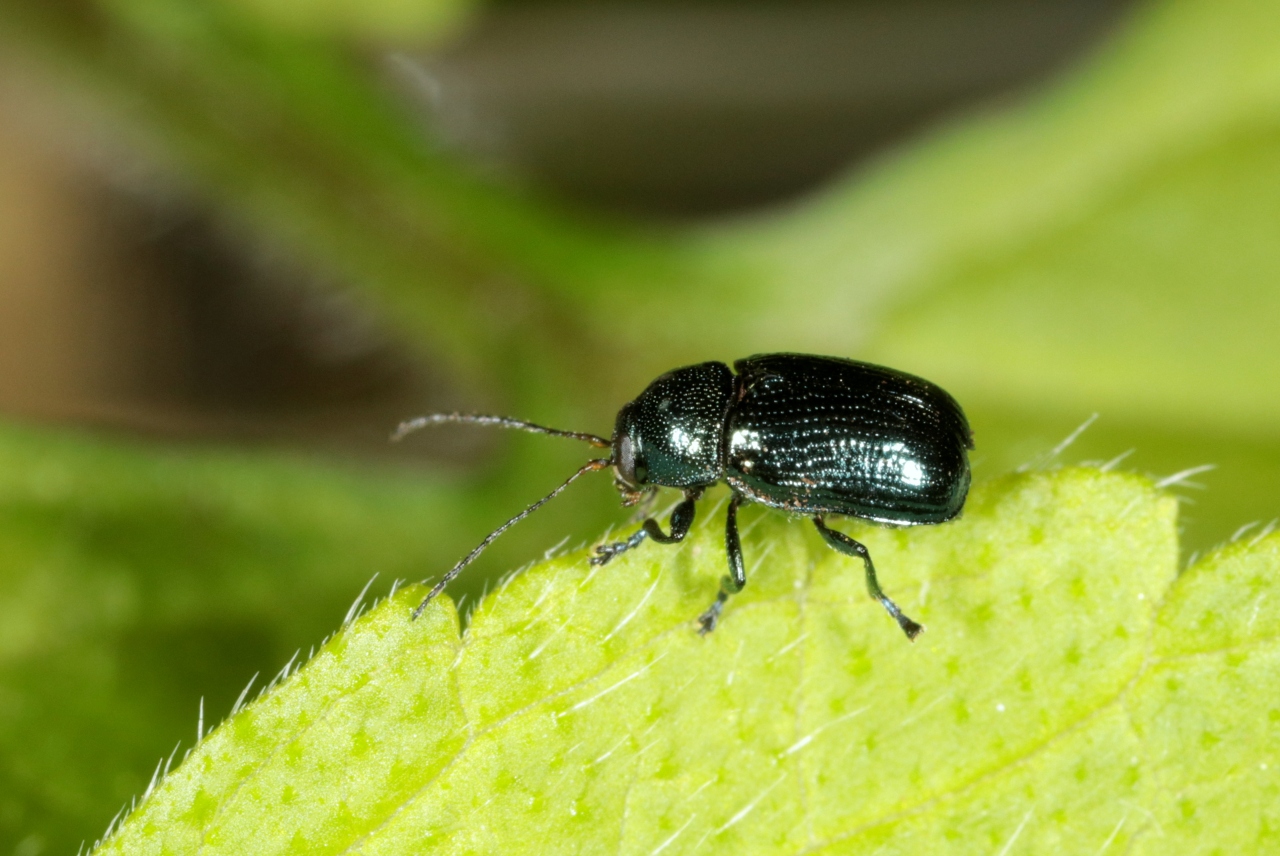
[911, 628]
[604, 555]
[708, 620]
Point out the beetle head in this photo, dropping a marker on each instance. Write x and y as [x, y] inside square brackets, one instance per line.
[671, 434]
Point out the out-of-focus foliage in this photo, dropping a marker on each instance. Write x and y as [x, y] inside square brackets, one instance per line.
[409, 21]
[1105, 248]
[1069, 697]
[1102, 245]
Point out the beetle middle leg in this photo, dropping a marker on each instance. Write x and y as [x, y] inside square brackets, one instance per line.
[844, 544]
[737, 578]
[680, 523]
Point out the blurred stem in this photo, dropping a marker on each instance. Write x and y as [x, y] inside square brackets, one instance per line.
[295, 135]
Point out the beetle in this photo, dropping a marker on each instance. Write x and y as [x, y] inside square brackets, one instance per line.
[808, 435]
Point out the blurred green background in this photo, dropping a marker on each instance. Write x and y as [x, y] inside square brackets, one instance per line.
[239, 240]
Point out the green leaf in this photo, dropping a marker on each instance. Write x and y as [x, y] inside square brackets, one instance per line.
[134, 584]
[1072, 694]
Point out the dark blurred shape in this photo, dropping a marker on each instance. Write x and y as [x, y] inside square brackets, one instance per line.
[259, 333]
[127, 302]
[696, 108]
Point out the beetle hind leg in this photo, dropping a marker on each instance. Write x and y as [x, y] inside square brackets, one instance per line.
[844, 544]
[737, 577]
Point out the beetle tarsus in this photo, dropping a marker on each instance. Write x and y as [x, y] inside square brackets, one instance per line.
[708, 620]
[909, 627]
[606, 553]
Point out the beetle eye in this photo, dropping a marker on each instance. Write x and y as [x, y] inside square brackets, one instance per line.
[626, 459]
[632, 471]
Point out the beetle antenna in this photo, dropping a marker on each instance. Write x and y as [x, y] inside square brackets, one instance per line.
[591, 466]
[410, 425]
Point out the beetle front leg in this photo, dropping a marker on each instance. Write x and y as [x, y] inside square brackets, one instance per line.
[844, 544]
[737, 578]
[681, 521]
